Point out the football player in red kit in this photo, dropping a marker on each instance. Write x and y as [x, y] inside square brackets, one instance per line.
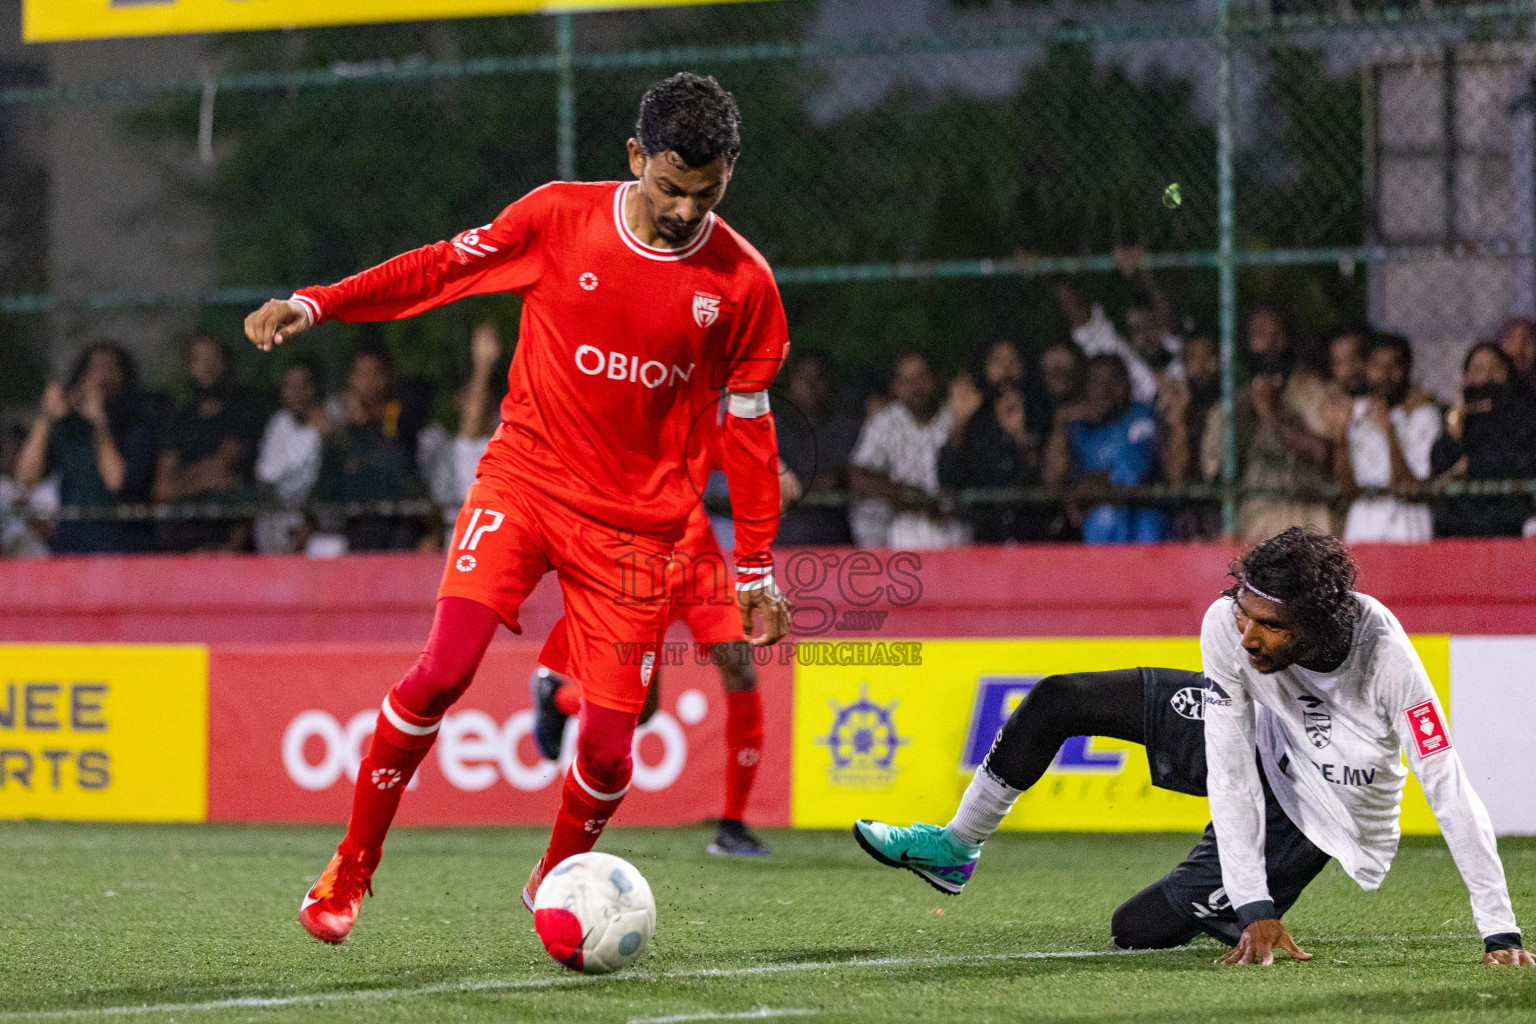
[697, 599]
[639, 306]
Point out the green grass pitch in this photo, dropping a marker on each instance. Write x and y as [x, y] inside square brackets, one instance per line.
[197, 924]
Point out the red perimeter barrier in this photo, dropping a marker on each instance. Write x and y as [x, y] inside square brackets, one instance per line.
[288, 727]
[302, 652]
[1463, 587]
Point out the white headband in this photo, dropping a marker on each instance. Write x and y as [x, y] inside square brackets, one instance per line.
[1256, 592]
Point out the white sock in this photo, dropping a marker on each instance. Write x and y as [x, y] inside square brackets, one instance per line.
[986, 803]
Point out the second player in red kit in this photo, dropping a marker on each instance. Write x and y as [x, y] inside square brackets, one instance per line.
[697, 598]
[640, 306]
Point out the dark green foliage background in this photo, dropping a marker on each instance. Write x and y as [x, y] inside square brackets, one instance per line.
[316, 183]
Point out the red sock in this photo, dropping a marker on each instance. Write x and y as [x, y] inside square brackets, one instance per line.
[568, 699]
[743, 748]
[596, 783]
[400, 742]
[407, 724]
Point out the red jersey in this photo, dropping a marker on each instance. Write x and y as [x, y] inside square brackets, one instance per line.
[623, 348]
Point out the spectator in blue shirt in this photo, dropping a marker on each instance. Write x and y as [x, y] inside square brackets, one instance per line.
[1107, 439]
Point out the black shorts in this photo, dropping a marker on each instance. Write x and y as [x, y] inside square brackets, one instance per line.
[1175, 729]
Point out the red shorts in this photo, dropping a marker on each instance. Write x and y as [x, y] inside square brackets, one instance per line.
[508, 536]
[701, 593]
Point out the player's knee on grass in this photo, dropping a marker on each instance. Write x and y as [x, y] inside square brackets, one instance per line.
[1148, 921]
[738, 672]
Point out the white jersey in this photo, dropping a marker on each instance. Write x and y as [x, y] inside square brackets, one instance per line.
[1332, 745]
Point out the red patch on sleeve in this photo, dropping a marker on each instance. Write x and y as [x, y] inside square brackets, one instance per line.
[1428, 729]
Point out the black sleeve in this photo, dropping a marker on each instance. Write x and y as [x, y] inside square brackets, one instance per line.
[951, 467]
[137, 445]
[1258, 910]
[1504, 940]
[1445, 453]
[329, 484]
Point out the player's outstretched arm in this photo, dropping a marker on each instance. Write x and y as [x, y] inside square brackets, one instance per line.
[1259, 942]
[496, 257]
[275, 322]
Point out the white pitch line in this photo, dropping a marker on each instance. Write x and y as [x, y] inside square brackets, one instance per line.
[512, 984]
[760, 1013]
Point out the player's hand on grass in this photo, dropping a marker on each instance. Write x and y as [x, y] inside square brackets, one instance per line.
[1258, 944]
[1509, 958]
[775, 609]
[275, 322]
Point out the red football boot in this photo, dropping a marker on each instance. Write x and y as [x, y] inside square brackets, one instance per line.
[330, 908]
[531, 890]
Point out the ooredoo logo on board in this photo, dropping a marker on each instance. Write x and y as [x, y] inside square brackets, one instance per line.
[290, 728]
[475, 752]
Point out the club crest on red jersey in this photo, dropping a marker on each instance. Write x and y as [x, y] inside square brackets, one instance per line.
[706, 308]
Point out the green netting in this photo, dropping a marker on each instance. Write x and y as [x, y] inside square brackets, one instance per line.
[909, 189]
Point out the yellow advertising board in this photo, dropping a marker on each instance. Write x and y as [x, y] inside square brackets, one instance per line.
[899, 743]
[103, 732]
[45, 21]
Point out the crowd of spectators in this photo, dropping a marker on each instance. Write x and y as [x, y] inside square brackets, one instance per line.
[1051, 433]
[1341, 440]
[365, 469]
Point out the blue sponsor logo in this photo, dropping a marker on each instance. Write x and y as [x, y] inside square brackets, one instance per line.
[863, 742]
[996, 697]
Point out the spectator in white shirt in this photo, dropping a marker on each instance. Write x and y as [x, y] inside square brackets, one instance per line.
[1391, 432]
[23, 510]
[288, 459]
[479, 416]
[1149, 348]
[896, 459]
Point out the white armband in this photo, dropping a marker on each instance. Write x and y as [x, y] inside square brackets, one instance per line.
[748, 406]
[307, 307]
[754, 583]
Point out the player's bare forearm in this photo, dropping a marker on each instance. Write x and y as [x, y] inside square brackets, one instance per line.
[1258, 944]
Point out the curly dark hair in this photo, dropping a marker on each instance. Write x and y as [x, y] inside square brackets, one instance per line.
[691, 115]
[1314, 576]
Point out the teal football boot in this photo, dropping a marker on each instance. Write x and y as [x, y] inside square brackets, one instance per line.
[928, 851]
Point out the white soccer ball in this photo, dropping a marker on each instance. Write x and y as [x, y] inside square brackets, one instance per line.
[595, 913]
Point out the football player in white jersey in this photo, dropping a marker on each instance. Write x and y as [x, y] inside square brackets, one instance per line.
[1310, 700]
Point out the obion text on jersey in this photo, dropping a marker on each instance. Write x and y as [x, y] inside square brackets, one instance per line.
[593, 361]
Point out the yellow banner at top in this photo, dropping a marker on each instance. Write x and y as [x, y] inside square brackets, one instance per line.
[49, 21]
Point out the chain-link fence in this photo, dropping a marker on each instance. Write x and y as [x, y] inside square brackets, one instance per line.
[936, 188]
